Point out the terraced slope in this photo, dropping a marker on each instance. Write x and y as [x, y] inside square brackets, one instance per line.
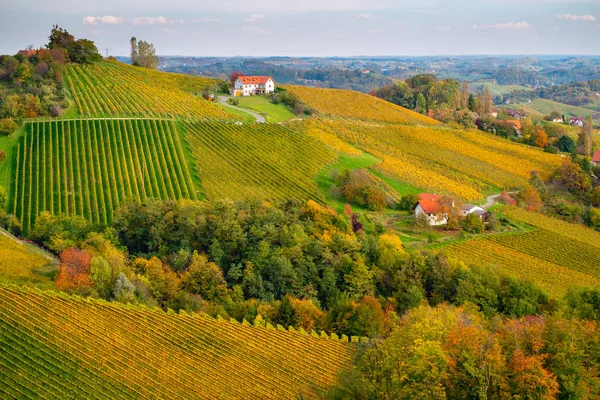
[113, 89]
[337, 103]
[56, 347]
[461, 163]
[557, 255]
[256, 161]
[88, 167]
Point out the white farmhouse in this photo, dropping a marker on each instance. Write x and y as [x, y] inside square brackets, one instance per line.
[429, 205]
[251, 85]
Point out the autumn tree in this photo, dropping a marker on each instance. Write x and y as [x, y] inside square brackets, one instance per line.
[572, 177]
[464, 94]
[530, 199]
[586, 137]
[146, 56]
[74, 270]
[539, 138]
[204, 278]
[234, 76]
[595, 197]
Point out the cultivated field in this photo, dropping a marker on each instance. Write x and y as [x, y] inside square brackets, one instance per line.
[461, 163]
[557, 255]
[256, 161]
[337, 103]
[19, 264]
[88, 167]
[107, 89]
[57, 347]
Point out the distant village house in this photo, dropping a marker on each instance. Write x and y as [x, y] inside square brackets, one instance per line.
[467, 209]
[252, 85]
[576, 122]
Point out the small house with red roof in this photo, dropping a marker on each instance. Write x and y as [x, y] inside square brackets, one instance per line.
[251, 85]
[428, 205]
[575, 121]
[596, 159]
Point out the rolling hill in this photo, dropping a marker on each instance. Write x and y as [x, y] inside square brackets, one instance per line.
[556, 255]
[542, 107]
[467, 164]
[56, 346]
[88, 167]
[337, 103]
[24, 264]
[109, 89]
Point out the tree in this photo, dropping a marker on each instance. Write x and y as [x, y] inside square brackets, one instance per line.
[359, 282]
[408, 202]
[464, 94]
[530, 199]
[59, 38]
[134, 51]
[572, 177]
[586, 137]
[594, 198]
[471, 103]
[100, 274]
[124, 291]
[286, 314]
[74, 270]
[204, 278]
[7, 126]
[234, 76]
[147, 55]
[472, 224]
[487, 102]
[540, 139]
[2, 155]
[83, 51]
[421, 104]
[566, 144]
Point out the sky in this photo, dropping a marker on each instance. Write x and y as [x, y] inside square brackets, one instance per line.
[312, 27]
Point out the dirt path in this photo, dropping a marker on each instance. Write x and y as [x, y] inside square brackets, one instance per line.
[491, 200]
[259, 118]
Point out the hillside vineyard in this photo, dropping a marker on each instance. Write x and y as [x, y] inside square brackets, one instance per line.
[105, 89]
[56, 346]
[88, 167]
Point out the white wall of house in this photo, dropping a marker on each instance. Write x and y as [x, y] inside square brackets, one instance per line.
[434, 219]
[251, 89]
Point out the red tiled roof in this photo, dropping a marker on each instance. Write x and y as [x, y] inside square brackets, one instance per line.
[27, 53]
[514, 122]
[429, 202]
[254, 80]
[596, 156]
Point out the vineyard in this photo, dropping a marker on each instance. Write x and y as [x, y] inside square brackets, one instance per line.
[460, 163]
[55, 346]
[337, 103]
[18, 264]
[572, 231]
[88, 167]
[107, 89]
[257, 161]
[556, 279]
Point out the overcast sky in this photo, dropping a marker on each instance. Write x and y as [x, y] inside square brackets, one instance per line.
[312, 27]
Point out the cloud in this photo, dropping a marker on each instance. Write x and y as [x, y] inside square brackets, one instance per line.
[207, 20]
[107, 19]
[255, 31]
[372, 31]
[571, 17]
[160, 20]
[364, 16]
[444, 28]
[254, 17]
[509, 26]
